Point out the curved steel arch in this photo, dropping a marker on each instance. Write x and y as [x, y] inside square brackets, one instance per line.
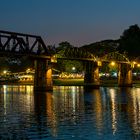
[75, 53]
[115, 56]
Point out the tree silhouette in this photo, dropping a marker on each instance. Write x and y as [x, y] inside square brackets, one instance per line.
[130, 41]
[63, 45]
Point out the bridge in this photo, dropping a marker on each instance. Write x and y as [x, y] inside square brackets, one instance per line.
[19, 44]
[93, 63]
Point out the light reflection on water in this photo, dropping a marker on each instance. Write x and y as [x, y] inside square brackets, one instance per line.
[69, 112]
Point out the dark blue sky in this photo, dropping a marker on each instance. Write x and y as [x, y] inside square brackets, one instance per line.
[77, 21]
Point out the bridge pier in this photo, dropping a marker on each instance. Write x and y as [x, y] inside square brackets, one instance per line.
[124, 75]
[43, 76]
[92, 74]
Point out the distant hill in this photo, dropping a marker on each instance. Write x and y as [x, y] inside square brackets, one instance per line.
[101, 48]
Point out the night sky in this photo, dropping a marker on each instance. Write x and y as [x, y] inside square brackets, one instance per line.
[78, 21]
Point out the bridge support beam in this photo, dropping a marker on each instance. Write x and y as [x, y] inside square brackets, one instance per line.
[124, 75]
[92, 74]
[43, 76]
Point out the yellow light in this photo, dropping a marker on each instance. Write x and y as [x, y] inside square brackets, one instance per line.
[5, 71]
[112, 63]
[28, 70]
[99, 63]
[133, 64]
[138, 65]
[54, 59]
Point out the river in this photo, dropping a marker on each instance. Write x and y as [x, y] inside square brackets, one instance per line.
[69, 113]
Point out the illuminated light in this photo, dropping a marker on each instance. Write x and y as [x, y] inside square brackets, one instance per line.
[99, 63]
[134, 73]
[5, 71]
[54, 59]
[28, 70]
[138, 65]
[115, 74]
[112, 63]
[133, 64]
[73, 68]
[100, 74]
[49, 77]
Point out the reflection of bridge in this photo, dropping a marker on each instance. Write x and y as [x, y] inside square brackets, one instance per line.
[19, 44]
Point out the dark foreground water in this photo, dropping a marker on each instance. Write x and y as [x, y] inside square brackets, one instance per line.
[69, 113]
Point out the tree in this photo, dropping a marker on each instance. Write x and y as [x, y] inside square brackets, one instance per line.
[67, 65]
[102, 47]
[130, 41]
[63, 45]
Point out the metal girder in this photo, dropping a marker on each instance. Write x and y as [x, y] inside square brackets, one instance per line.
[115, 56]
[22, 43]
[74, 53]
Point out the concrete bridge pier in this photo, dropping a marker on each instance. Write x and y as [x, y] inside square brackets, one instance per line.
[124, 75]
[43, 75]
[92, 74]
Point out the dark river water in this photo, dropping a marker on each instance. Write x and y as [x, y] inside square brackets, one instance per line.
[69, 113]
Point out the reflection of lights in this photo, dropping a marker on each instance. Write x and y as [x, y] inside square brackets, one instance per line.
[29, 89]
[73, 88]
[73, 102]
[113, 111]
[52, 120]
[134, 109]
[5, 93]
[67, 101]
[97, 106]
[5, 87]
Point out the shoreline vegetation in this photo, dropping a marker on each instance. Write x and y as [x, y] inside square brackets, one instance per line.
[74, 82]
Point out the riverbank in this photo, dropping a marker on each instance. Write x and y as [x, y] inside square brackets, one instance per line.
[75, 82]
[80, 82]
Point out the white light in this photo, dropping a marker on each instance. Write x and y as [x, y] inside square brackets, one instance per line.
[5, 71]
[73, 68]
[115, 74]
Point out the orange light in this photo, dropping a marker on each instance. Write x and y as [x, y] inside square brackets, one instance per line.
[112, 63]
